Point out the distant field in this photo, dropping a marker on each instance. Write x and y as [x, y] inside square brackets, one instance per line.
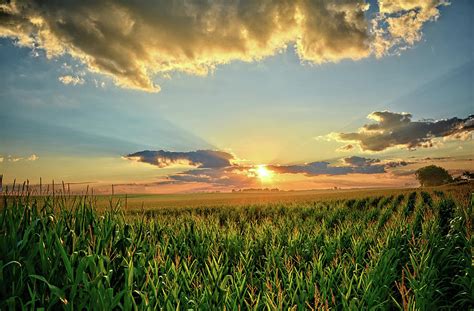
[153, 201]
[405, 249]
[134, 202]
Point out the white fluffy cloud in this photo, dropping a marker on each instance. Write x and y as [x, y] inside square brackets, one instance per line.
[33, 157]
[14, 159]
[132, 41]
[399, 23]
[67, 79]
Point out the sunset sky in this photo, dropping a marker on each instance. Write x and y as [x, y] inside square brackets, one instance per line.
[181, 96]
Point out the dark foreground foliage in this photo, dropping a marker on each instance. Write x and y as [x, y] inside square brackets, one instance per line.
[398, 252]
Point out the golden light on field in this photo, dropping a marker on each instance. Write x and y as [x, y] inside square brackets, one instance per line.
[263, 173]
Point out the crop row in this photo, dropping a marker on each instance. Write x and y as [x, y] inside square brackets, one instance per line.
[402, 251]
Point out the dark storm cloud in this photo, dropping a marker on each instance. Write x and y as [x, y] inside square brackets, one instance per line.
[199, 158]
[398, 129]
[132, 41]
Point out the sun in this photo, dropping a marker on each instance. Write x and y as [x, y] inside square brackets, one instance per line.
[263, 173]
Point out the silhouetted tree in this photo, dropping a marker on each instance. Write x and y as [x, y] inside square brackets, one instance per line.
[433, 175]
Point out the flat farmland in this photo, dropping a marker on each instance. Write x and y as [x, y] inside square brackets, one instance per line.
[136, 202]
[399, 249]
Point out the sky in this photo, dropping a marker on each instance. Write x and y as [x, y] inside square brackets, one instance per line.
[180, 96]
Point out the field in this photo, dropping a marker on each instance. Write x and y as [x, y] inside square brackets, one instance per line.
[373, 249]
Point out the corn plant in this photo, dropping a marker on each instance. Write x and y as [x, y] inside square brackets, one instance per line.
[393, 252]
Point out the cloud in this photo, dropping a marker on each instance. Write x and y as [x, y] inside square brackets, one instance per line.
[398, 24]
[14, 159]
[71, 80]
[133, 42]
[311, 169]
[99, 84]
[216, 168]
[351, 165]
[345, 148]
[394, 129]
[360, 161]
[393, 164]
[199, 158]
[223, 177]
[403, 172]
[32, 157]
[239, 176]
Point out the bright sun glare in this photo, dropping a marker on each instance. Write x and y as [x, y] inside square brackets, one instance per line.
[263, 173]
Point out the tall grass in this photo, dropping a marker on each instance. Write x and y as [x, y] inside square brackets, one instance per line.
[369, 253]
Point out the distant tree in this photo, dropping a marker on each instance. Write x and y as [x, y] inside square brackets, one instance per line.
[433, 175]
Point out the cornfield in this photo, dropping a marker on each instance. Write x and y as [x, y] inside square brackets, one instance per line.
[404, 251]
